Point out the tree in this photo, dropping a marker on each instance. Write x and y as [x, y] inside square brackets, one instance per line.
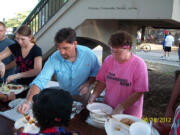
[16, 21]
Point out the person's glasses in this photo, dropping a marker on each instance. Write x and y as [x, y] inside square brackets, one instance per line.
[119, 49]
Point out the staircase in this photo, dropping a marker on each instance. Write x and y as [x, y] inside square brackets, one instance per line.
[42, 13]
[95, 20]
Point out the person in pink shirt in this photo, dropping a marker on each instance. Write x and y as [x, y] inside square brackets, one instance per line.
[124, 76]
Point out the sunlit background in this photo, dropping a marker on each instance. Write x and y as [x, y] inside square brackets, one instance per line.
[9, 8]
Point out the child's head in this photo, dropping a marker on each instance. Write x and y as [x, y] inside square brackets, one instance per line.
[52, 107]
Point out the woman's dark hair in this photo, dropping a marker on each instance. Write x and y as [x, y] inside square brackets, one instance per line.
[120, 38]
[26, 31]
[65, 34]
[52, 107]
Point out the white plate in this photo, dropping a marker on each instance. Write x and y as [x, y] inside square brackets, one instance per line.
[94, 123]
[28, 128]
[99, 108]
[16, 102]
[113, 123]
[123, 116]
[97, 111]
[140, 128]
[16, 91]
[97, 117]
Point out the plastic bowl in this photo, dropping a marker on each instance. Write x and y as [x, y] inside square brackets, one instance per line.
[140, 128]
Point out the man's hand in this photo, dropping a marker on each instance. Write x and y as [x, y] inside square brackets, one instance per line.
[119, 109]
[2, 69]
[84, 89]
[24, 107]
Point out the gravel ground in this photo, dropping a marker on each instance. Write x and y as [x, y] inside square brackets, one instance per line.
[161, 82]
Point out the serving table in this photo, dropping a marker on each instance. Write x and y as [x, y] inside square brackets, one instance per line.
[77, 124]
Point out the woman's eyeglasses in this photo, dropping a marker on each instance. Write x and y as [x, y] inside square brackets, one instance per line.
[119, 49]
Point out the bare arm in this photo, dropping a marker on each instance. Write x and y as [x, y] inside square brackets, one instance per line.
[127, 103]
[33, 91]
[174, 96]
[5, 53]
[99, 87]
[85, 88]
[132, 99]
[11, 65]
[23, 108]
[36, 70]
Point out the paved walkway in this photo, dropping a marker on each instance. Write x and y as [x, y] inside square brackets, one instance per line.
[154, 56]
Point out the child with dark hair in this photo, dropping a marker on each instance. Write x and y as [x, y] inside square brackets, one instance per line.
[52, 109]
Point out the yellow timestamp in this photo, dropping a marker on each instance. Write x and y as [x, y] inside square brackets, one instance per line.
[158, 119]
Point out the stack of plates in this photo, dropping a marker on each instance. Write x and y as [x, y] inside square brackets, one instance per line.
[98, 113]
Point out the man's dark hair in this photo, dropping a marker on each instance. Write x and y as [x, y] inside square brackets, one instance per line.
[52, 107]
[65, 34]
[120, 38]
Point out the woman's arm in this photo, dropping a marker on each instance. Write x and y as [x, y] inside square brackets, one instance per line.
[132, 99]
[36, 70]
[128, 102]
[11, 65]
[5, 53]
[99, 87]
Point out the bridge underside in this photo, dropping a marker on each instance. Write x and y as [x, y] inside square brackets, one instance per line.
[164, 24]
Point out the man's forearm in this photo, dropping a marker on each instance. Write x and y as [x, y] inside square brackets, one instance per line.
[33, 91]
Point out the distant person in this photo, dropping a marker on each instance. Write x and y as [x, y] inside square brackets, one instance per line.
[163, 44]
[138, 37]
[168, 45]
[124, 76]
[52, 109]
[75, 67]
[5, 42]
[152, 38]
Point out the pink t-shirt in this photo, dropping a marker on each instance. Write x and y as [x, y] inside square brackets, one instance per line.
[122, 80]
